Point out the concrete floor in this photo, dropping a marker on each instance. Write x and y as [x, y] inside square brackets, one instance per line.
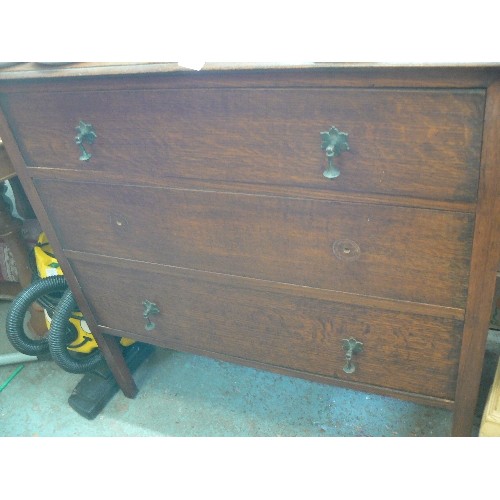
[186, 395]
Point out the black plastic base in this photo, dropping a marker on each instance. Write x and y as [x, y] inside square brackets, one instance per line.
[98, 387]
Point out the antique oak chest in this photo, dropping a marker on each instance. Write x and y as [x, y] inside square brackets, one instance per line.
[332, 222]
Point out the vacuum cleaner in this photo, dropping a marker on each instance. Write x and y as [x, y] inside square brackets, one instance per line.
[69, 342]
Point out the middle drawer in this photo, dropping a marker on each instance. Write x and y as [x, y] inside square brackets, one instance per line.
[400, 253]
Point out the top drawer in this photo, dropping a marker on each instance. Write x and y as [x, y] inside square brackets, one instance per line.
[424, 144]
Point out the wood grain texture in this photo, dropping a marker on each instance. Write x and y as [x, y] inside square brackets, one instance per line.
[295, 332]
[146, 75]
[403, 253]
[108, 345]
[247, 188]
[485, 260]
[217, 177]
[413, 397]
[283, 288]
[408, 143]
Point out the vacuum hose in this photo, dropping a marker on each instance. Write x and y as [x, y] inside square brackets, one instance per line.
[57, 343]
[18, 309]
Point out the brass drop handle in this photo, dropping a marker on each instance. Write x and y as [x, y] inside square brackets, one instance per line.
[334, 142]
[150, 309]
[86, 134]
[351, 347]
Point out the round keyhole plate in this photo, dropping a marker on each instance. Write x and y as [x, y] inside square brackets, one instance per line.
[346, 250]
[118, 222]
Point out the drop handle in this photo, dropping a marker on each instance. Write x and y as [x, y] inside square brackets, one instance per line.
[334, 143]
[351, 347]
[150, 309]
[86, 134]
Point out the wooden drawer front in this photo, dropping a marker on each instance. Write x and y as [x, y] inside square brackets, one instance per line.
[402, 142]
[401, 351]
[401, 253]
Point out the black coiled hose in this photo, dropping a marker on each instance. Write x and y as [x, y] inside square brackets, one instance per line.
[18, 309]
[57, 344]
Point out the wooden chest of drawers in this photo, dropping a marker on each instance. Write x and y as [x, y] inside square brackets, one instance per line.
[209, 194]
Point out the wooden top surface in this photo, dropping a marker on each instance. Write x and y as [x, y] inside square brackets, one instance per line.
[28, 70]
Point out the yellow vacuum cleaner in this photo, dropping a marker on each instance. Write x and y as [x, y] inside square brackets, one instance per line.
[47, 266]
[70, 342]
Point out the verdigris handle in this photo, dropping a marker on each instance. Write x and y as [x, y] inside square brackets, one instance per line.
[150, 309]
[334, 142]
[86, 134]
[351, 346]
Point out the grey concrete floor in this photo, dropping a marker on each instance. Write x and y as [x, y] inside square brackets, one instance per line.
[187, 395]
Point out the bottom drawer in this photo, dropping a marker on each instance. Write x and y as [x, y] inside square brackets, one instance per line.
[281, 328]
